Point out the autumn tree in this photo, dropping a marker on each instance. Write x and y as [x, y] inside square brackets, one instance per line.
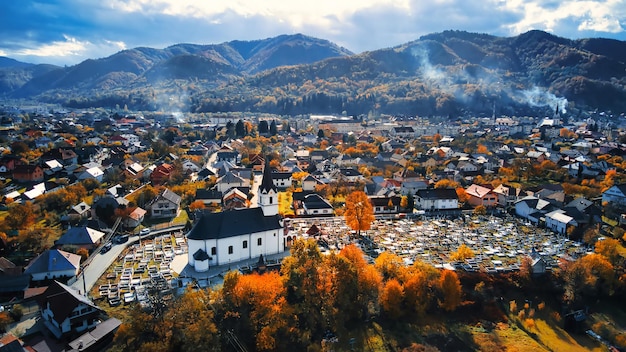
[302, 280]
[462, 253]
[480, 210]
[340, 292]
[359, 213]
[608, 247]
[462, 194]
[391, 299]
[447, 183]
[369, 280]
[20, 216]
[450, 287]
[587, 277]
[389, 265]
[256, 306]
[196, 205]
[188, 325]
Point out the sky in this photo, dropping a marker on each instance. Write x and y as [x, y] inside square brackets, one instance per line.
[66, 32]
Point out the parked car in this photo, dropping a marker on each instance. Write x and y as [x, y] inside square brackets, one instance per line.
[106, 248]
[121, 239]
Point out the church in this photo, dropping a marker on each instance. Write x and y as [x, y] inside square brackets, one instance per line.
[240, 234]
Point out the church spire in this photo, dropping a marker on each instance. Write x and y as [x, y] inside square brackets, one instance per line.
[267, 184]
[268, 193]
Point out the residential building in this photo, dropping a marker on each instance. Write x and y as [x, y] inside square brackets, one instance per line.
[479, 195]
[28, 173]
[65, 312]
[615, 195]
[165, 205]
[82, 237]
[53, 264]
[436, 199]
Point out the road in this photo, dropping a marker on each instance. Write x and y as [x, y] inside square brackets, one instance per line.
[101, 262]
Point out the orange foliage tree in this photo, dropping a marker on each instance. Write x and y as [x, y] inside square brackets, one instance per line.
[256, 306]
[391, 299]
[359, 212]
[451, 291]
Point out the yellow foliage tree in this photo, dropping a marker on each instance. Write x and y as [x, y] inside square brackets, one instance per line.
[462, 253]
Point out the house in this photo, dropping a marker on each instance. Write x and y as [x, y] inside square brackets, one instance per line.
[8, 163]
[82, 237]
[28, 173]
[282, 180]
[13, 282]
[135, 218]
[559, 222]
[615, 195]
[229, 181]
[161, 174]
[314, 205]
[51, 167]
[65, 312]
[479, 195]
[235, 199]
[80, 211]
[209, 197]
[532, 208]
[351, 174]
[65, 155]
[165, 205]
[436, 199]
[190, 167]
[92, 173]
[411, 187]
[241, 234]
[507, 195]
[385, 205]
[53, 264]
[228, 154]
[97, 339]
[309, 183]
[134, 170]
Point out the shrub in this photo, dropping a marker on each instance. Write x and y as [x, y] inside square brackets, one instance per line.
[541, 306]
[521, 315]
[556, 316]
[529, 323]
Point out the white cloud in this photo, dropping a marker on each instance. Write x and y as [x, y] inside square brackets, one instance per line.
[295, 13]
[599, 16]
[71, 50]
[69, 47]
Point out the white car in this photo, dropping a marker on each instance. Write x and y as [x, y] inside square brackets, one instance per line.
[144, 232]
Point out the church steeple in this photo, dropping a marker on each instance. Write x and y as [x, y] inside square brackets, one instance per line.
[267, 184]
[268, 193]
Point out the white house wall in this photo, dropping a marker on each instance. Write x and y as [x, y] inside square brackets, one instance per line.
[272, 243]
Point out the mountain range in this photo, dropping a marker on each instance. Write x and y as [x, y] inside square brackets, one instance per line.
[447, 73]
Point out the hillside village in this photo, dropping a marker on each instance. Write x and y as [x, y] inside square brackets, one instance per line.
[74, 181]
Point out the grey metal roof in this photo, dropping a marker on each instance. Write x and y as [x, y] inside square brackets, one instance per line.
[233, 223]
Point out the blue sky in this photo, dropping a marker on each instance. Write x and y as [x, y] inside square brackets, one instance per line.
[65, 32]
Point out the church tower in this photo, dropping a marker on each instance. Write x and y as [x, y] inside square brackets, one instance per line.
[268, 193]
